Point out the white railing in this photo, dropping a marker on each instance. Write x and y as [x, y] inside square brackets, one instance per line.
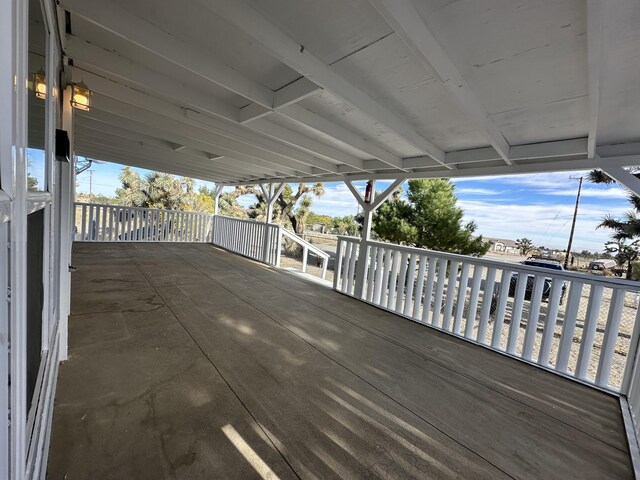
[306, 248]
[579, 325]
[114, 223]
[256, 240]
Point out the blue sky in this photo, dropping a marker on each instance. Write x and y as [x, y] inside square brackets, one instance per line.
[536, 206]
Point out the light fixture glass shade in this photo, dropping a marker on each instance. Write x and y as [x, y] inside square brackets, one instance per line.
[40, 84]
[81, 97]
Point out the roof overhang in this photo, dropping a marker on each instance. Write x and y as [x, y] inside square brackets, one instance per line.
[240, 91]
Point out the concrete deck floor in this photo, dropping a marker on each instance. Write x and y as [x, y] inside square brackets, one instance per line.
[189, 362]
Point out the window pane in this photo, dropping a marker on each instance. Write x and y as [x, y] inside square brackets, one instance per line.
[36, 165]
[36, 179]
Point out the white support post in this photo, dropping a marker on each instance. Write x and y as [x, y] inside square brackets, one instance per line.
[271, 194]
[67, 216]
[368, 209]
[216, 199]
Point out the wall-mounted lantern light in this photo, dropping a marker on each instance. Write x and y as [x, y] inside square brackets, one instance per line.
[81, 97]
[40, 84]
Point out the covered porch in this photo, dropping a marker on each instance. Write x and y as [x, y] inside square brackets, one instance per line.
[187, 361]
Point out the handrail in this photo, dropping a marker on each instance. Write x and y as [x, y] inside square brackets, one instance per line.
[487, 262]
[246, 220]
[306, 246]
[109, 205]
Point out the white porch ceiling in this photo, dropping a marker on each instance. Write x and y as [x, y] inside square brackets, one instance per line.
[239, 91]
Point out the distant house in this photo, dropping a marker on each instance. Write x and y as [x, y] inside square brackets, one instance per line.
[500, 245]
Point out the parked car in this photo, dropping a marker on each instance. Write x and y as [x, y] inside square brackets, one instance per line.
[602, 264]
[546, 290]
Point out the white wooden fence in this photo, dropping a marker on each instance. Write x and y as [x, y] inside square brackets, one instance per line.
[256, 240]
[113, 223]
[579, 325]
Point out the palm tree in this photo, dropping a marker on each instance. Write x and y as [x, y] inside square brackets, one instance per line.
[625, 238]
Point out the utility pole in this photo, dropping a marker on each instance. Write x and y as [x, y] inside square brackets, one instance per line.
[90, 183]
[573, 224]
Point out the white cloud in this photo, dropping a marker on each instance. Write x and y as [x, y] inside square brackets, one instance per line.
[608, 193]
[336, 201]
[544, 224]
[477, 191]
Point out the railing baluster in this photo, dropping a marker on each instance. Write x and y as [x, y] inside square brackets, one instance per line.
[159, 226]
[462, 295]
[569, 326]
[344, 265]
[111, 213]
[130, 214]
[500, 307]
[126, 220]
[534, 315]
[370, 279]
[83, 225]
[377, 282]
[485, 310]
[194, 226]
[417, 303]
[610, 336]
[143, 224]
[337, 266]
[117, 236]
[348, 254]
[384, 287]
[428, 288]
[437, 299]
[402, 280]
[516, 314]
[411, 277]
[90, 224]
[393, 280]
[589, 331]
[473, 301]
[162, 226]
[135, 232]
[123, 224]
[549, 328]
[103, 219]
[451, 292]
[352, 267]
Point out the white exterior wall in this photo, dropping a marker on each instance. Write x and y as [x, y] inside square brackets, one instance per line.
[24, 433]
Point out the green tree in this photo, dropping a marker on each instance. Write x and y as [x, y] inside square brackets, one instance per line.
[315, 218]
[625, 239]
[429, 218]
[345, 225]
[32, 182]
[524, 245]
